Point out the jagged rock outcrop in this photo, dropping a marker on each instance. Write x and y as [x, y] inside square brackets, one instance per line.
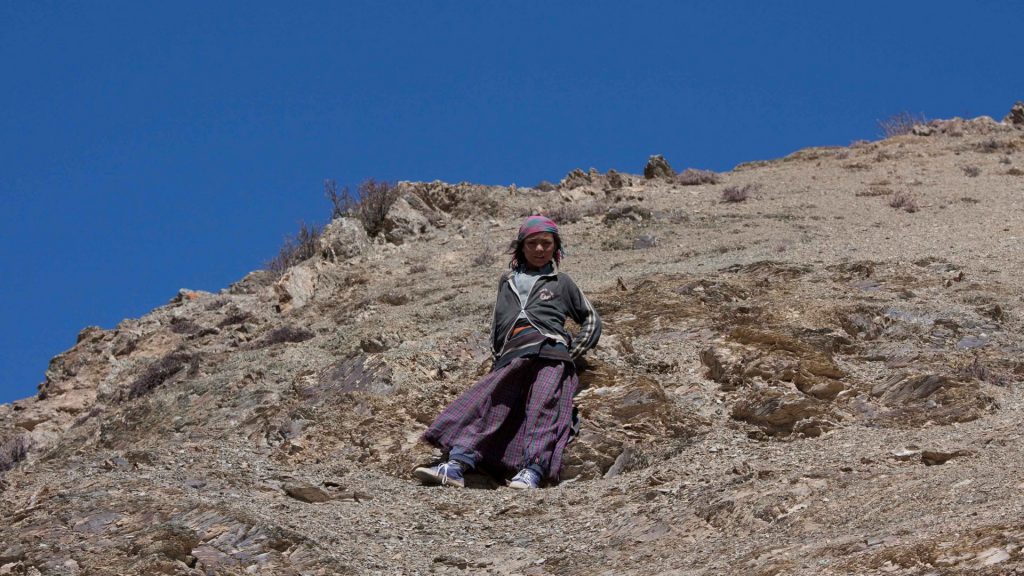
[1016, 115]
[658, 167]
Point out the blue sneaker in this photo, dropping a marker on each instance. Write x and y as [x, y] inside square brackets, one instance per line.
[525, 480]
[446, 474]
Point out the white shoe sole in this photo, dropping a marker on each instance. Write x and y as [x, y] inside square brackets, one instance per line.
[430, 477]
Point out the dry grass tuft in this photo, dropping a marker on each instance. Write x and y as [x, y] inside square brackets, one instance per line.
[370, 205]
[394, 298]
[904, 201]
[739, 193]
[485, 258]
[296, 249]
[899, 124]
[286, 334]
[162, 370]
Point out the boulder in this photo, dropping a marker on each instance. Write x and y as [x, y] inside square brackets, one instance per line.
[342, 239]
[306, 492]
[295, 288]
[404, 222]
[658, 167]
[782, 412]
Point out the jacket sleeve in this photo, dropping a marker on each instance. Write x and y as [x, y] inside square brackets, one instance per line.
[583, 313]
[494, 319]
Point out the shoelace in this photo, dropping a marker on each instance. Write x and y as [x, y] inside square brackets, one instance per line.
[528, 476]
[442, 469]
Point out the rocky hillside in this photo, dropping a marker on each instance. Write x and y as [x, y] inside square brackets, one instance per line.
[811, 365]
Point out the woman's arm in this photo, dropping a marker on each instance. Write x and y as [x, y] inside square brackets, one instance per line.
[583, 313]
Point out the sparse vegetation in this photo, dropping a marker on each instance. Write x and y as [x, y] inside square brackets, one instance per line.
[286, 334]
[484, 258]
[899, 124]
[184, 326]
[990, 146]
[374, 199]
[216, 304]
[418, 268]
[296, 249]
[972, 171]
[695, 177]
[903, 201]
[739, 193]
[875, 191]
[566, 213]
[13, 451]
[569, 213]
[162, 370]
[236, 317]
[394, 298]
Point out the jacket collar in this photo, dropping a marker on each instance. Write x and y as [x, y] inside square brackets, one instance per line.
[551, 269]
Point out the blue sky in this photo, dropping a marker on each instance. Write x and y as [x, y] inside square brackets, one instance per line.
[146, 147]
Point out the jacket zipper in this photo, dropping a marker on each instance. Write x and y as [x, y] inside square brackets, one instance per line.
[522, 308]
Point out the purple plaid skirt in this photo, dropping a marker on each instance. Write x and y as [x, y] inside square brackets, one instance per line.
[518, 415]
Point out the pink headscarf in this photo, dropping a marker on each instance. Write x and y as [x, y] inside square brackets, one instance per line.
[533, 225]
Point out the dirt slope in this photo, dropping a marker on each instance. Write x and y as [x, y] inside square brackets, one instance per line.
[809, 381]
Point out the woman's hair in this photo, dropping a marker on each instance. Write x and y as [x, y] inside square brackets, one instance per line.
[515, 248]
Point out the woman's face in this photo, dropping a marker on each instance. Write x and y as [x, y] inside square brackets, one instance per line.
[539, 248]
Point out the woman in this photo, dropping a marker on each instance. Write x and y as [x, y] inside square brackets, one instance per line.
[518, 419]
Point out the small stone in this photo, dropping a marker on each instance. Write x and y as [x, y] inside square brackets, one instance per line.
[992, 556]
[904, 455]
[645, 241]
[969, 342]
[935, 457]
[306, 492]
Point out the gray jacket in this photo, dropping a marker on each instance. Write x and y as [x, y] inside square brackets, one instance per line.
[553, 298]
